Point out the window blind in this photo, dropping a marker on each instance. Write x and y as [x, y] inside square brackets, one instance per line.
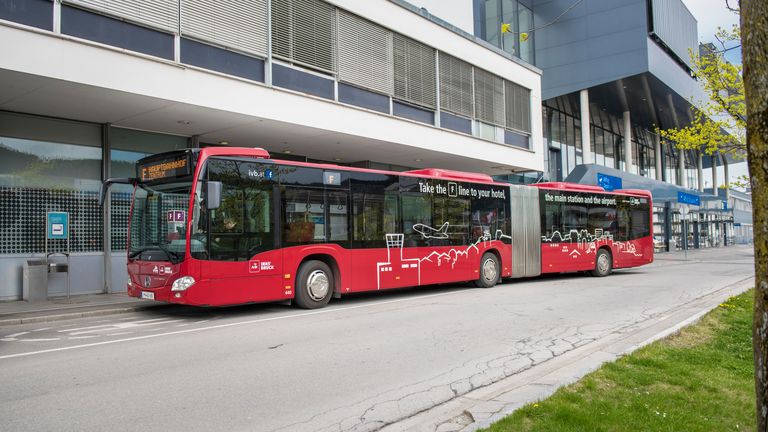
[161, 14]
[237, 24]
[518, 106]
[304, 32]
[414, 71]
[455, 85]
[489, 97]
[365, 53]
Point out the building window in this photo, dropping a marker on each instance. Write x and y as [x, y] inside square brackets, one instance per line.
[455, 85]
[48, 165]
[159, 14]
[126, 148]
[518, 41]
[304, 33]
[517, 101]
[414, 71]
[241, 26]
[365, 54]
[489, 98]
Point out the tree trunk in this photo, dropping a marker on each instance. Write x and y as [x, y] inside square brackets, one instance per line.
[754, 38]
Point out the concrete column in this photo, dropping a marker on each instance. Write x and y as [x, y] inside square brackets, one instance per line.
[681, 169]
[193, 141]
[586, 147]
[106, 232]
[657, 151]
[627, 142]
[700, 171]
[714, 173]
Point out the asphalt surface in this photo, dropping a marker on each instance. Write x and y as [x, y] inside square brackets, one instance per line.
[362, 363]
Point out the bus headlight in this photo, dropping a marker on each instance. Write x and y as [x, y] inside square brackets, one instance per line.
[183, 283]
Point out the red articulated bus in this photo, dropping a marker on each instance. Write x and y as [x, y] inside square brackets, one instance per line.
[223, 226]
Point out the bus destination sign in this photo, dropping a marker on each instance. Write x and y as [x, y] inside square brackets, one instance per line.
[168, 167]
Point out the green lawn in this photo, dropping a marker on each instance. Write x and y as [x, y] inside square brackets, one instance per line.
[698, 380]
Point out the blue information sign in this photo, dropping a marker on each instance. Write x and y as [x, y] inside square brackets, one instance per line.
[686, 198]
[608, 182]
[57, 225]
[725, 205]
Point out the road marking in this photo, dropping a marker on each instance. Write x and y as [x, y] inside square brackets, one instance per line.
[39, 340]
[120, 325]
[81, 337]
[157, 335]
[16, 334]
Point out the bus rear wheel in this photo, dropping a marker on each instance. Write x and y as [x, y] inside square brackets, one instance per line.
[314, 285]
[489, 271]
[603, 264]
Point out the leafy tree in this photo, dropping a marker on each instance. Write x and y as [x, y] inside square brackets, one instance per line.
[719, 122]
[754, 25]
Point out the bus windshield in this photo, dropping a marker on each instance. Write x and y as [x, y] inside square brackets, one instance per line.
[158, 221]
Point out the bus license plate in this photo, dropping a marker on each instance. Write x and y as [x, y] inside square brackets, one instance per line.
[147, 295]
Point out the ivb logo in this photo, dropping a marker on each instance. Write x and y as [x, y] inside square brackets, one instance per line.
[257, 266]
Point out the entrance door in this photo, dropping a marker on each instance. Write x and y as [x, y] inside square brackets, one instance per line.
[555, 164]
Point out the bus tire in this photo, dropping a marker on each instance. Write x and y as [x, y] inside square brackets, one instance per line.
[489, 271]
[603, 263]
[314, 285]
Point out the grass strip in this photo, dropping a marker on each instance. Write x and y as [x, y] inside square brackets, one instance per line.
[701, 379]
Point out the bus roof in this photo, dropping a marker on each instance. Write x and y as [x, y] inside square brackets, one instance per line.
[435, 173]
[576, 187]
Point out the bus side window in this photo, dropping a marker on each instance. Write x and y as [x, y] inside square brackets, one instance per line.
[338, 211]
[552, 220]
[624, 221]
[574, 219]
[304, 211]
[417, 209]
[602, 219]
[640, 221]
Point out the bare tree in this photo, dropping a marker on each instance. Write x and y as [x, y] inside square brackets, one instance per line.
[754, 39]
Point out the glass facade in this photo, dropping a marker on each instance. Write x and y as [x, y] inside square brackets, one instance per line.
[126, 147]
[48, 165]
[518, 41]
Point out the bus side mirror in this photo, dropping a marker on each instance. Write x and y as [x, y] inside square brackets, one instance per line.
[212, 195]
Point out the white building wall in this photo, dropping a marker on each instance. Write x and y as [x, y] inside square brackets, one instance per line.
[68, 59]
[457, 12]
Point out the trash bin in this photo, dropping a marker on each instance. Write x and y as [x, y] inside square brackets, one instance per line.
[34, 280]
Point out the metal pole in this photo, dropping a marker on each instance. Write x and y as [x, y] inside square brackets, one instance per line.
[69, 249]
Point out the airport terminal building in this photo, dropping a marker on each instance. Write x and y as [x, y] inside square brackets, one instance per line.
[88, 87]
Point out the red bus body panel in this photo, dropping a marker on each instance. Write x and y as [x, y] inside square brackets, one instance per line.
[271, 276]
[570, 257]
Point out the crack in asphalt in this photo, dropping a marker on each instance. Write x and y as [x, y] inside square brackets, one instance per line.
[400, 403]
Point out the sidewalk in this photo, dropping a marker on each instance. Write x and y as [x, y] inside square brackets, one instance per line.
[21, 312]
[59, 308]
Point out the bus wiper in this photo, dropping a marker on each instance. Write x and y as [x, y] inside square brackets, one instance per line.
[172, 256]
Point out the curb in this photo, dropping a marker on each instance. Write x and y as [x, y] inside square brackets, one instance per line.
[66, 316]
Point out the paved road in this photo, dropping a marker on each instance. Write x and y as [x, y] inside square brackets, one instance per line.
[359, 364]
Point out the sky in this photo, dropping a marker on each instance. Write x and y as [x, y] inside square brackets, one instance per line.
[710, 14]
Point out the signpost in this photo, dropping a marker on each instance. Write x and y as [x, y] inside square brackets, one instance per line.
[57, 228]
[683, 219]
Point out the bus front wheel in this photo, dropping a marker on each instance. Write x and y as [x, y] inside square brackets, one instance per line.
[603, 264]
[314, 285]
[489, 271]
